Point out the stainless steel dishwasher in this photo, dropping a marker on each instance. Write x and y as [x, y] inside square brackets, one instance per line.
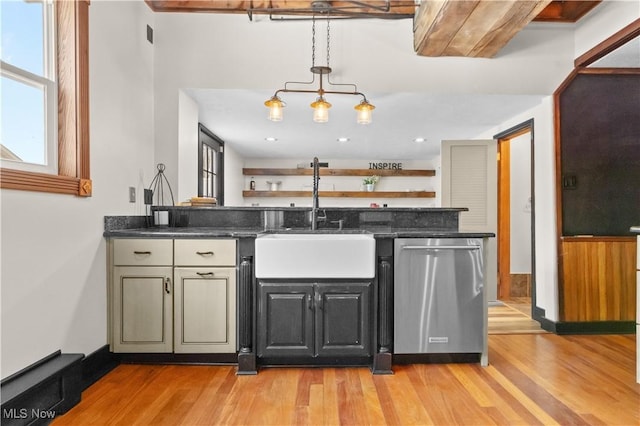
[439, 304]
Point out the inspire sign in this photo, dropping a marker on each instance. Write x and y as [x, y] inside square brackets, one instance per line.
[385, 166]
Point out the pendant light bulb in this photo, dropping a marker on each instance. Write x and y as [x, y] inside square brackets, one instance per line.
[275, 106]
[320, 110]
[364, 109]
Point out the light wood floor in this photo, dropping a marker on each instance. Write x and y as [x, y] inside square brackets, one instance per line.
[522, 304]
[513, 316]
[532, 379]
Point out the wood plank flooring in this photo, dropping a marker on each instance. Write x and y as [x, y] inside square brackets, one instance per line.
[511, 317]
[532, 379]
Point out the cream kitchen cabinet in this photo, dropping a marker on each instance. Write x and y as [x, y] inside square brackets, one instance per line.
[204, 299]
[142, 296]
[173, 296]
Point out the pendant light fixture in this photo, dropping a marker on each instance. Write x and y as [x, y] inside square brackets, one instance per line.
[320, 106]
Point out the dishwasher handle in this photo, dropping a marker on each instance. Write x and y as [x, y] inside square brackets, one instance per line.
[471, 247]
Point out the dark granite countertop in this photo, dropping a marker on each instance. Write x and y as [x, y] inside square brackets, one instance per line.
[207, 232]
[307, 208]
[183, 232]
[251, 222]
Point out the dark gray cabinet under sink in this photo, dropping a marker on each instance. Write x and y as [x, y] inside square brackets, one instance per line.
[310, 320]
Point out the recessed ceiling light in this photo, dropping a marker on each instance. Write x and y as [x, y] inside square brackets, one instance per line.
[343, 139]
[270, 139]
[419, 140]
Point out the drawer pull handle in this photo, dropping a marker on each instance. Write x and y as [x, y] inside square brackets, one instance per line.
[167, 285]
[470, 247]
[319, 301]
[205, 253]
[205, 274]
[146, 253]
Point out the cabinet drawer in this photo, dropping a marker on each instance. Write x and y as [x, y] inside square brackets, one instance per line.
[143, 252]
[205, 252]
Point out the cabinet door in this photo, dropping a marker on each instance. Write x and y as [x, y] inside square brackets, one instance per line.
[205, 310]
[285, 319]
[142, 309]
[343, 312]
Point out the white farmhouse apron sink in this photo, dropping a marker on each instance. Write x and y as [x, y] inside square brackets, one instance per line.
[315, 255]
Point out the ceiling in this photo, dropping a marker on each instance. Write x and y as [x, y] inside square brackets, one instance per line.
[399, 118]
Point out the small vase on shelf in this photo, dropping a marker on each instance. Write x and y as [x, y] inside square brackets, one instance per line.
[370, 183]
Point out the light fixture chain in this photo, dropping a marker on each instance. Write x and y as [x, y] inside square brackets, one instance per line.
[328, 39]
[313, 41]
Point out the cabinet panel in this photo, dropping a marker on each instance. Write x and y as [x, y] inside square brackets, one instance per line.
[598, 279]
[205, 252]
[311, 319]
[147, 315]
[204, 310]
[142, 252]
[285, 319]
[343, 313]
[142, 309]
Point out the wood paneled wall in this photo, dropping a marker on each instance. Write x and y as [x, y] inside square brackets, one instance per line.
[599, 279]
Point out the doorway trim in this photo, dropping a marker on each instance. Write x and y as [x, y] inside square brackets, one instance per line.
[506, 135]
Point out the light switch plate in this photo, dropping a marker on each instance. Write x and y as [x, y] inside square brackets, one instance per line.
[148, 197]
[132, 194]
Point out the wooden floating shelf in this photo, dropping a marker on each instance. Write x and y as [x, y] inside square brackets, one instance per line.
[336, 172]
[353, 194]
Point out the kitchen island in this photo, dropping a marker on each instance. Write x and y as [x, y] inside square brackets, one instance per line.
[367, 341]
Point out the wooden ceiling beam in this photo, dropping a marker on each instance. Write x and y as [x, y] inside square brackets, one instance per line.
[475, 28]
[380, 8]
[556, 11]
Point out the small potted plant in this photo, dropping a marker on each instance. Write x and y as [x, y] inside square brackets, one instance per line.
[370, 182]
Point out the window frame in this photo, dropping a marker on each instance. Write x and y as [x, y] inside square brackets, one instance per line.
[72, 76]
[206, 137]
[45, 82]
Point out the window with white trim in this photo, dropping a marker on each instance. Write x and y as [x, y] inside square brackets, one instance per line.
[28, 139]
[70, 35]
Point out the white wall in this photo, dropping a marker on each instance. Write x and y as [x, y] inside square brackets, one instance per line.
[188, 119]
[233, 179]
[53, 255]
[187, 148]
[611, 16]
[520, 196]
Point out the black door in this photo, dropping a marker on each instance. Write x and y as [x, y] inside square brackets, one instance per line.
[343, 313]
[285, 319]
